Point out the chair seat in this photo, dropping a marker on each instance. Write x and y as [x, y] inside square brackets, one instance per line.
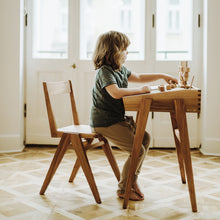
[77, 129]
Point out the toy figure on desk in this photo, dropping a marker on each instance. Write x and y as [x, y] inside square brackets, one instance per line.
[107, 113]
[183, 78]
[184, 74]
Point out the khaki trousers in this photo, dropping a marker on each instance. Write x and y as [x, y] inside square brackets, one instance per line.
[122, 135]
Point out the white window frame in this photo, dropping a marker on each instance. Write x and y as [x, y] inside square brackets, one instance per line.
[170, 66]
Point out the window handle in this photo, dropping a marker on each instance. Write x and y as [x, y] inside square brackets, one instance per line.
[73, 66]
[153, 20]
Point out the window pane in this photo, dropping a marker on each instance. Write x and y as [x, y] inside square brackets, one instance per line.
[50, 29]
[99, 16]
[174, 30]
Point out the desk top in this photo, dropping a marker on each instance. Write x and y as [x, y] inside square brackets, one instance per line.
[164, 101]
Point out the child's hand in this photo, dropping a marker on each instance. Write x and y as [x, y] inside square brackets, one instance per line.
[145, 89]
[169, 79]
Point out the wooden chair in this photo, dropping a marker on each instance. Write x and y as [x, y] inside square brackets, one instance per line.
[79, 137]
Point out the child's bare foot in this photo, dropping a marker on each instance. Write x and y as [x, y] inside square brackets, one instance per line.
[133, 195]
[137, 190]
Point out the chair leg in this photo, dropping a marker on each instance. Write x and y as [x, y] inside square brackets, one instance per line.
[77, 163]
[81, 154]
[75, 170]
[178, 148]
[184, 139]
[58, 156]
[108, 152]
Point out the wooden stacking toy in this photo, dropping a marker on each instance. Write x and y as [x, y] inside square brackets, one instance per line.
[184, 74]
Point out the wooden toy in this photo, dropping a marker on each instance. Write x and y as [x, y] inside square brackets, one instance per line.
[184, 74]
[173, 85]
[168, 87]
[161, 88]
[191, 83]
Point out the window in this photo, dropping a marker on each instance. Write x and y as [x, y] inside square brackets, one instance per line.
[99, 16]
[174, 30]
[50, 29]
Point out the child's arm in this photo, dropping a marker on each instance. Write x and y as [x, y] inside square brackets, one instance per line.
[118, 93]
[149, 77]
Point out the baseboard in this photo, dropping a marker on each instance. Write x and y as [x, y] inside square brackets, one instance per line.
[42, 140]
[210, 146]
[11, 143]
[168, 142]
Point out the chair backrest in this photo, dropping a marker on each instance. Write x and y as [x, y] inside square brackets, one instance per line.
[56, 88]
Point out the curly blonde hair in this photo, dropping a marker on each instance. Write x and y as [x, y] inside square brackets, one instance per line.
[108, 49]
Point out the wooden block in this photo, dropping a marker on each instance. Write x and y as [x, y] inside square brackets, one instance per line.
[180, 69]
[161, 88]
[186, 75]
[185, 69]
[168, 87]
[184, 63]
[173, 86]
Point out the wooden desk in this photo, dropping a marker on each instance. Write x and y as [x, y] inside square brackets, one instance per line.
[177, 102]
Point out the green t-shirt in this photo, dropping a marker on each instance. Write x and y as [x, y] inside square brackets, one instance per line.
[106, 110]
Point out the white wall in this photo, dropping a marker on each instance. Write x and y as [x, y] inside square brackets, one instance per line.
[11, 76]
[210, 136]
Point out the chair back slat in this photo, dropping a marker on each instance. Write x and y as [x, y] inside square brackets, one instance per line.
[56, 88]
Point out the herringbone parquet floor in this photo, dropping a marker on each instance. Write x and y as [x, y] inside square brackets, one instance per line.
[22, 174]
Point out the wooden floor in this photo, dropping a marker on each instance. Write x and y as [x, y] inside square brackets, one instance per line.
[22, 174]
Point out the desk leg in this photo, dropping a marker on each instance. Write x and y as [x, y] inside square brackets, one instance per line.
[143, 112]
[184, 144]
[178, 148]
